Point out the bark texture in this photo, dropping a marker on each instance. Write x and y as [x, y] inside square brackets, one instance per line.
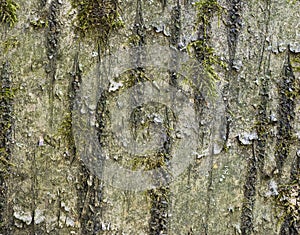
[244, 177]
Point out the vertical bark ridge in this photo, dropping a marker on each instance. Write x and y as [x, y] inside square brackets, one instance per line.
[204, 54]
[89, 187]
[256, 162]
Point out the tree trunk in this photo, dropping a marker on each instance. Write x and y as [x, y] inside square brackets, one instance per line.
[149, 117]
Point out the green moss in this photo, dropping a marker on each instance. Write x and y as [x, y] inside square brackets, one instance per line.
[8, 12]
[206, 9]
[293, 1]
[64, 130]
[146, 163]
[10, 43]
[295, 61]
[288, 199]
[97, 18]
[38, 24]
[209, 60]
[4, 163]
[202, 48]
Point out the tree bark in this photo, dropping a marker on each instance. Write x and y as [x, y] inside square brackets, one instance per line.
[65, 63]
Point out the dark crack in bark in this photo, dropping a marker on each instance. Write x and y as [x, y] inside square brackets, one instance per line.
[174, 41]
[256, 162]
[52, 45]
[89, 188]
[234, 26]
[6, 128]
[247, 225]
[286, 115]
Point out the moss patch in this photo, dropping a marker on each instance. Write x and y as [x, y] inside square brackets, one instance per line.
[202, 48]
[209, 59]
[9, 44]
[8, 12]
[295, 61]
[288, 198]
[206, 9]
[97, 18]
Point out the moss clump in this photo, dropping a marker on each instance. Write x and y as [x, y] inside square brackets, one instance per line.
[97, 18]
[206, 54]
[206, 9]
[10, 43]
[295, 61]
[38, 24]
[65, 128]
[293, 1]
[8, 12]
[289, 199]
[202, 48]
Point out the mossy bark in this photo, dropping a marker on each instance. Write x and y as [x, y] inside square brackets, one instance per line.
[245, 175]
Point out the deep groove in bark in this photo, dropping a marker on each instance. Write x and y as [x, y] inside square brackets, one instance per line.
[262, 116]
[89, 188]
[6, 128]
[249, 194]
[285, 115]
[234, 26]
[234, 23]
[174, 41]
[52, 45]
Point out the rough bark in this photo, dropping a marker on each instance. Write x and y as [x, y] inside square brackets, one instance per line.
[244, 177]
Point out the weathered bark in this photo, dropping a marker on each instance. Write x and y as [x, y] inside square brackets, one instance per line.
[243, 84]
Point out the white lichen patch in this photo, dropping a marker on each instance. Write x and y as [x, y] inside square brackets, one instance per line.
[247, 138]
[114, 86]
[24, 216]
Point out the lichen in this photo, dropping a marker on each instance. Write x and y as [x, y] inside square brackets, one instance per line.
[8, 12]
